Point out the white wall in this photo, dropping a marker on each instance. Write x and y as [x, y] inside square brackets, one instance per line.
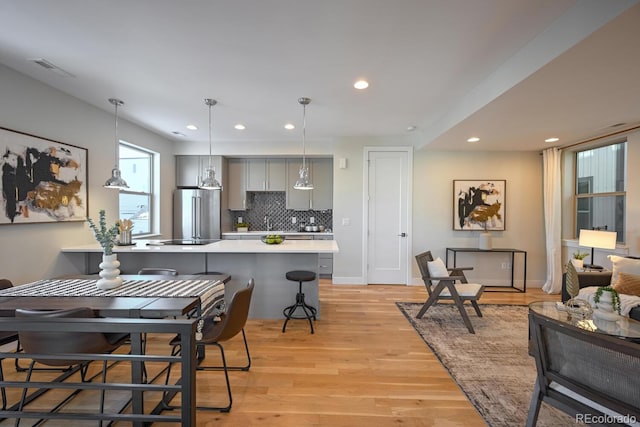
[348, 186]
[434, 173]
[32, 251]
[433, 201]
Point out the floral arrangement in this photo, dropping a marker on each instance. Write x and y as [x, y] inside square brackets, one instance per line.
[105, 236]
[615, 298]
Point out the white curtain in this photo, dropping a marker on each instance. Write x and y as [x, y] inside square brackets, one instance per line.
[552, 219]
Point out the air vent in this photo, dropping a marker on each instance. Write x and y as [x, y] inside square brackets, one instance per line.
[51, 67]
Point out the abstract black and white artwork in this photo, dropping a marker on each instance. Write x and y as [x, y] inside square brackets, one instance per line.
[479, 204]
[42, 180]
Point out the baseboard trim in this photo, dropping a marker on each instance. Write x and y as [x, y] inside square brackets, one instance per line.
[348, 281]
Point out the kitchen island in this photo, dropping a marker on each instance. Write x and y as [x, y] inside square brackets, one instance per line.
[241, 259]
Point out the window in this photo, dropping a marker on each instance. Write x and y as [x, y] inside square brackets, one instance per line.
[600, 188]
[136, 166]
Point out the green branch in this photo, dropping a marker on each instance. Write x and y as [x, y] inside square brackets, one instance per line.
[105, 236]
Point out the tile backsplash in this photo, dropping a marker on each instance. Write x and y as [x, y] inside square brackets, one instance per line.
[273, 205]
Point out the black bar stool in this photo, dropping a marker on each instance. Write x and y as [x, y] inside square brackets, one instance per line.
[309, 311]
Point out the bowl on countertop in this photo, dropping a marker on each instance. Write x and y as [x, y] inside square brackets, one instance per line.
[272, 239]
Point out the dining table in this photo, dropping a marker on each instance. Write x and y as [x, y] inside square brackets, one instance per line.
[139, 297]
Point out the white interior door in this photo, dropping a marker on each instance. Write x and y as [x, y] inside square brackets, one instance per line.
[387, 217]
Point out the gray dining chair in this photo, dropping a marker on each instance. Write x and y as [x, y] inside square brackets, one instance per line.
[231, 323]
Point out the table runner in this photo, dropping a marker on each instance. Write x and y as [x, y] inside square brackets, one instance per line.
[211, 293]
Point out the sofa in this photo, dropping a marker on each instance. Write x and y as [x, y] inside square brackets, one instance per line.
[597, 278]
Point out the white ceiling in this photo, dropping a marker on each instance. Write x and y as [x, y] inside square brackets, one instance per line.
[512, 72]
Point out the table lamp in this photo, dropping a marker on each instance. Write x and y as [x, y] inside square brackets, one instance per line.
[597, 239]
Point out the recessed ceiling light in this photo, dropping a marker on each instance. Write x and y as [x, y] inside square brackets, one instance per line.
[192, 127]
[240, 126]
[289, 126]
[473, 139]
[554, 139]
[176, 133]
[361, 84]
[411, 128]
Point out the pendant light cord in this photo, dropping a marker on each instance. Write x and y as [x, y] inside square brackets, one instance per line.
[117, 154]
[304, 133]
[209, 135]
[116, 103]
[210, 102]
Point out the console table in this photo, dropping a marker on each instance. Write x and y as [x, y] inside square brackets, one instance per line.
[513, 253]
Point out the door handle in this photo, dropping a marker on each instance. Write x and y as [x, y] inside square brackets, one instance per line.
[402, 234]
[194, 218]
[198, 216]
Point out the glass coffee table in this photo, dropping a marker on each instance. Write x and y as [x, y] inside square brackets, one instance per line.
[623, 328]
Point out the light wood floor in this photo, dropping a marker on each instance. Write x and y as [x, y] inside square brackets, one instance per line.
[365, 365]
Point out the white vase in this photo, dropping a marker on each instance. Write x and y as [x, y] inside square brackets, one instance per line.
[109, 272]
[485, 242]
[605, 303]
[578, 263]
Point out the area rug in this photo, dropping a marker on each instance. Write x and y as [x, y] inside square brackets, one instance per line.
[492, 366]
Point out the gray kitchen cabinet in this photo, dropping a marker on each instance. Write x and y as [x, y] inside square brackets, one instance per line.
[256, 174]
[252, 237]
[191, 169]
[266, 175]
[323, 237]
[321, 197]
[276, 175]
[325, 261]
[325, 265]
[322, 178]
[187, 171]
[236, 188]
[228, 237]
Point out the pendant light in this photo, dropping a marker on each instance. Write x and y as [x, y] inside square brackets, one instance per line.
[209, 182]
[303, 182]
[116, 182]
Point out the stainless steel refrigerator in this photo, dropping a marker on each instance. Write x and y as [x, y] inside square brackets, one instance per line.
[196, 214]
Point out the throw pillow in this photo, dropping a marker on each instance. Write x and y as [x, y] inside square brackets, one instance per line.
[628, 284]
[571, 280]
[623, 265]
[437, 269]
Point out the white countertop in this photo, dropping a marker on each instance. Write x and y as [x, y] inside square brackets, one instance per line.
[223, 246]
